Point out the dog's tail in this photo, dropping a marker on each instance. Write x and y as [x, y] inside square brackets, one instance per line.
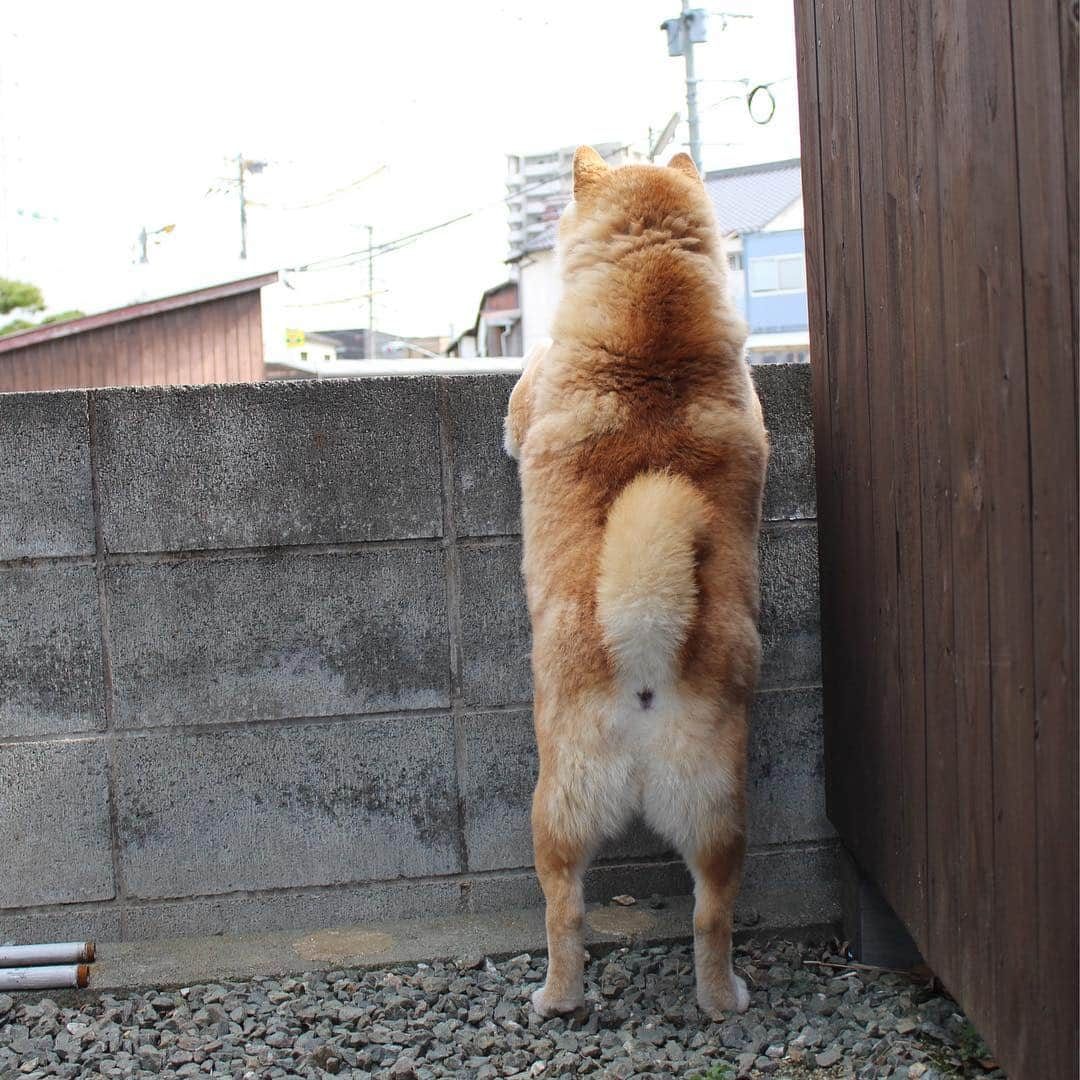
[647, 594]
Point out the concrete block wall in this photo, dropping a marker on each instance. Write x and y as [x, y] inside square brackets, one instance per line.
[264, 664]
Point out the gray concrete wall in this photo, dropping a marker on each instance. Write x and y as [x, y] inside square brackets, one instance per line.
[264, 664]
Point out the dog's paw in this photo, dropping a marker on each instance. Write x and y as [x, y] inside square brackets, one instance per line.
[736, 998]
[545, 1005]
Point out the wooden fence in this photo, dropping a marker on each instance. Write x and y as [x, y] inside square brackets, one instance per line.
[940, 181]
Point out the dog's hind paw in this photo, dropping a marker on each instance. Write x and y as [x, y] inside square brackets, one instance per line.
[735, 999]
[545, 1005]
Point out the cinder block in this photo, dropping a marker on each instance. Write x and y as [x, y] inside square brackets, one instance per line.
[781, 889]
[270, 807]
[203, 641]
[786, 776]
[487, 497]
[72, 923]
[50, 651]
[267, 464]
[790, 619]
[500, 775]
[784, 390]
[520, 888]
[299, 910]
[55, 846]
[496, 637]
[46, 499]
[790, 888]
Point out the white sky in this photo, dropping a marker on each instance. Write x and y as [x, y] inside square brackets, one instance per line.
[116, 115]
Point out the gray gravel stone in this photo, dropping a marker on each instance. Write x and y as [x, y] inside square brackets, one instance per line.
[445, 1020]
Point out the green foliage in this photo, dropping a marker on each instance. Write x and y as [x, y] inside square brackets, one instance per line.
[720, 1071]
[14, 326]
[22, 296]
[62, 316]
[19, 295]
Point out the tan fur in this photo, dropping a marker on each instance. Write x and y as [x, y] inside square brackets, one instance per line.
[642, 457]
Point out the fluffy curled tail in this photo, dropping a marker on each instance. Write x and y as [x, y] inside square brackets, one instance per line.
[647, 593]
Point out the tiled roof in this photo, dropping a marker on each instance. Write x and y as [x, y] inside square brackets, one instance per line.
[748, 198]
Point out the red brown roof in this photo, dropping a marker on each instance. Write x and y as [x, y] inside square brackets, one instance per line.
[52, 331]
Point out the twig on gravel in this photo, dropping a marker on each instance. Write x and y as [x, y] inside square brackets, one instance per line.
[864, 967]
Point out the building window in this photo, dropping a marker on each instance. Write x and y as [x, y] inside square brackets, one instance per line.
[734, 260]
[778, 274]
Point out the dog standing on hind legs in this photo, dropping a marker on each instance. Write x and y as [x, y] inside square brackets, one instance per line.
[642, 457]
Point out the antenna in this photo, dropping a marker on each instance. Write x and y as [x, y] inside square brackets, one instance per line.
[665, 136]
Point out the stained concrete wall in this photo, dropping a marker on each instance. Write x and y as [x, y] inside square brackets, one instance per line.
[264, 664]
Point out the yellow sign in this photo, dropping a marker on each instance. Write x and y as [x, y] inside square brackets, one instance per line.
[294, 338]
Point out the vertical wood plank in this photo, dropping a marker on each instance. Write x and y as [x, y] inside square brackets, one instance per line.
[967, 339]
[846, 537]
[236, 338]
[1044, 183]
[256, 368]
[932, 406]
[898, 279]
[883, 701]
[142, 348]
[221, 373]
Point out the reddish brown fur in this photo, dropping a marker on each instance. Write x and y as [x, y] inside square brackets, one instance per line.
[645, 374]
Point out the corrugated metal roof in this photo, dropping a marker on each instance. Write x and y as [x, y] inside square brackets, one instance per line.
[52, 331]
[748, 198]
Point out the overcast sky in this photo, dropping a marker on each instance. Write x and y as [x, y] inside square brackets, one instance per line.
[117, 115]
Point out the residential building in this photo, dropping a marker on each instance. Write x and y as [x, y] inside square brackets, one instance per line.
[540, 185]
[759, 211]
[352, 345]
[211, 335]
[496, 331]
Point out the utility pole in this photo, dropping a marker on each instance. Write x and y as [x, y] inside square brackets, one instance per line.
[243, 206]
[244, 166]
[684, 32]
[370, 293]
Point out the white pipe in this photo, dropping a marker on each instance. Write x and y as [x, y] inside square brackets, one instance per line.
[59, 952]
[44, 978]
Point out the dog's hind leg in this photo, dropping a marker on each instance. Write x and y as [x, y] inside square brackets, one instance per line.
[717, 870]
[560, 865]
[573, 811]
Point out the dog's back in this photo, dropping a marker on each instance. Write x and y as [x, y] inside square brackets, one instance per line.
[642, 455]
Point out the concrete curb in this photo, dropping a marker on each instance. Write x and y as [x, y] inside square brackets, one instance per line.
[463, 938]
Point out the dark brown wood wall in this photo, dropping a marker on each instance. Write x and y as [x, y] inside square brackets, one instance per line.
[214, 341]
[939, 142]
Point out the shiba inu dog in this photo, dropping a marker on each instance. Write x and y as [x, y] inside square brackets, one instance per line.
[642, 457]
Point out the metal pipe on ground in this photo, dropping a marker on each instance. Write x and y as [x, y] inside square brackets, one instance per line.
[50, 977]
[57, 952]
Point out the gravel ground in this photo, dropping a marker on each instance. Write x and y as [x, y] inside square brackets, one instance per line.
[471, 1020]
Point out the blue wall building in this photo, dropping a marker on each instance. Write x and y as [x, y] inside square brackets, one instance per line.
[759, 210]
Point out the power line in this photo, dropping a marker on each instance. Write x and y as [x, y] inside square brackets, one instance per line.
[348, 258]
[321, 199]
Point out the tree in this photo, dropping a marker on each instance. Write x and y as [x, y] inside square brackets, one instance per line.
[16, 295]
[22, 296]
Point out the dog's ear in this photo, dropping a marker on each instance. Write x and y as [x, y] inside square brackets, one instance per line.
[684, 163]
[589, 169]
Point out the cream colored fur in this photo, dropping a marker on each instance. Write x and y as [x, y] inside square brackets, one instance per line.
[646, 595]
